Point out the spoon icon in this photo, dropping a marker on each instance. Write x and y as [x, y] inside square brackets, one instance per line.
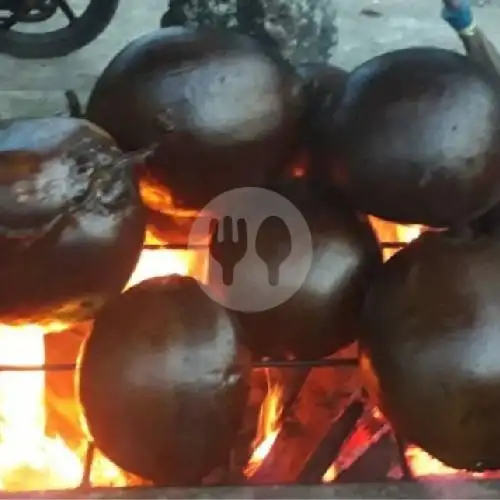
[273, 244]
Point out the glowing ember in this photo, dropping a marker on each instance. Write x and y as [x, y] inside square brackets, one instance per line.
[268, 427]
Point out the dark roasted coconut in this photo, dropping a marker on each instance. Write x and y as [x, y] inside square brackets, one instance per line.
[71, 220]
[417, 138]
[224, 113]
[163, 381]
[323, 315]
[323, 88]
[430, 347]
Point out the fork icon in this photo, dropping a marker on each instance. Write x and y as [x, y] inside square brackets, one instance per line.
[229, 244]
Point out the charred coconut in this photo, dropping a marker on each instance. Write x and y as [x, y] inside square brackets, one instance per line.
[430, 347]
[163, 381]
[323, 315]
[223, 112]
[71, 220]
[417, 138]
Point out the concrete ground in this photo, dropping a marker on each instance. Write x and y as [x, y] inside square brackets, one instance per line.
[366, 27]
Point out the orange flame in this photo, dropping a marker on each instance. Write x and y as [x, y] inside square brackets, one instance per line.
[268, 422]
[30, 460]
[391, 232]
[268, 427]
[407, 234]
[162, 262]
[404, 234]
[158, 198]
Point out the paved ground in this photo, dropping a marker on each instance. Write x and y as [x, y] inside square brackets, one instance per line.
[34, 88]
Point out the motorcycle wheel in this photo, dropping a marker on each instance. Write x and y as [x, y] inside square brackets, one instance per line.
[61, 42]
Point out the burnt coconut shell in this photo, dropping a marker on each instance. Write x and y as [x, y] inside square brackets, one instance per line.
[163, 381]
[430, 347]
[322, 316]
[323, 87]
[71, 220]
[416, 138]
[224, 112]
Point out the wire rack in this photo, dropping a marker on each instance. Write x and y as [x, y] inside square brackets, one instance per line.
[350, 415]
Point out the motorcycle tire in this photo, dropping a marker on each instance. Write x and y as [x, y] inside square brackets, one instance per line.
[61, 42]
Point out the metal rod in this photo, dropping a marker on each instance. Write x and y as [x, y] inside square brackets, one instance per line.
[318, 363]
[176, 246]
[319, 461]
[205, 246]
[271, 363]
[39, 368]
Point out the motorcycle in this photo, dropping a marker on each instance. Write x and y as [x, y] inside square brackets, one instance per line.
[79, 29]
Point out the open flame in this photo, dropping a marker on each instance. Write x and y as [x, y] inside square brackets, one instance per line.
[29, 459]
[424, 465]
[421, 464]
[269, 418]
[406, 234]
[330, 474]
[268, 426]
[162, 262]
